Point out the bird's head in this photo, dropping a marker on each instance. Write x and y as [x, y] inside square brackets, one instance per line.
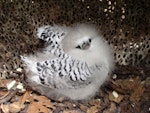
[86, 44]
[79, 38]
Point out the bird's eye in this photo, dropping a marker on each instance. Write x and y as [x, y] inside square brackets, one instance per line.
[79, 47]
[90, 40]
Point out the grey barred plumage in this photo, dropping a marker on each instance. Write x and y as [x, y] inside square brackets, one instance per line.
[53, 36]
[74, 65]
[67, 69]
[51, 33]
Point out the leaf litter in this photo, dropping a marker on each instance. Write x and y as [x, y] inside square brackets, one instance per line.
[128, 94]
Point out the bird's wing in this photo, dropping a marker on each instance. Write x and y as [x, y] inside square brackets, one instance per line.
[64, 73]
[51, 34]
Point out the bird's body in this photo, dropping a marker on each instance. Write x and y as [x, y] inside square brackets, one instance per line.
[74, 64]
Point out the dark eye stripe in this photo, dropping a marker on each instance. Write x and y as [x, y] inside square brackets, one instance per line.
[79, 47]
[90, 40]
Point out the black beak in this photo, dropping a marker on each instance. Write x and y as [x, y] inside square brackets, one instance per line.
[86, 45]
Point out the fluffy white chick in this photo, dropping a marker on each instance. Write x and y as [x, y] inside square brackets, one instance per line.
[79, 67]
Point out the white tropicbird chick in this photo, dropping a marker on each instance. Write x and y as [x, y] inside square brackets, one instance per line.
[74, 65]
